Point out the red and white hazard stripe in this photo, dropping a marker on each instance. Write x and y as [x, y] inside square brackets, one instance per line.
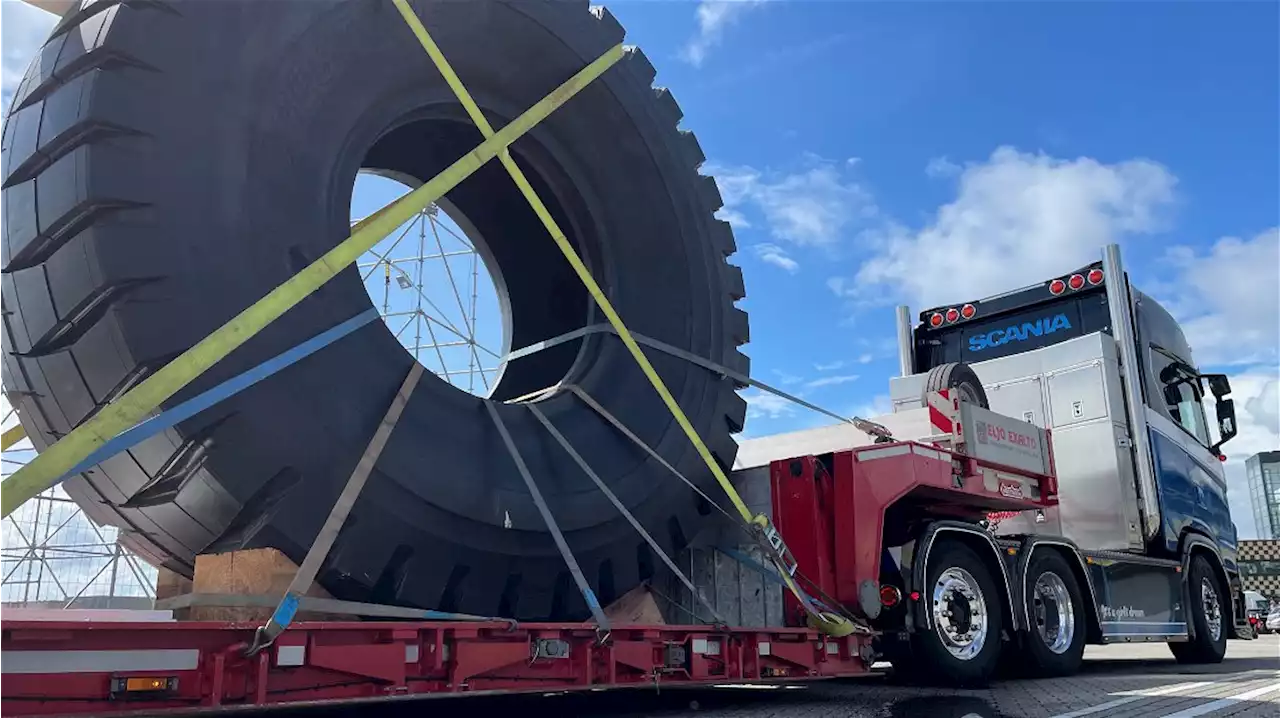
[944, 411]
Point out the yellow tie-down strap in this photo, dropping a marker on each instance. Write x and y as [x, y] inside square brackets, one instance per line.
[828, 623]
[122, 414]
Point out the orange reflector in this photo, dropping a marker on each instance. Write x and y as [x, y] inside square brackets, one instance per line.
[146, 684]
[143, 684]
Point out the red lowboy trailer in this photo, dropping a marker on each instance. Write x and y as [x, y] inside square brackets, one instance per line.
[836, 509]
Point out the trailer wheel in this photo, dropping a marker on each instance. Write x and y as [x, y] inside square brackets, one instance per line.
[960, 377]
[1055, 642]
[961, 645]
[1208, 613]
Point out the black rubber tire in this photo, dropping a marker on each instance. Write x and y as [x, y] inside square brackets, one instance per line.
[1203, 648]
[957, 375]
[1040, 661]
[932, 663]
[167, 164]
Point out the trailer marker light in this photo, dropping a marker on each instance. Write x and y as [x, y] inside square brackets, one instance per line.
[952, 315]
[935, 320]
[150, 685]
[1076, 281]
[915, 595]
[1095, 276]
[1057, 287]
[889, 596]
[968, 310]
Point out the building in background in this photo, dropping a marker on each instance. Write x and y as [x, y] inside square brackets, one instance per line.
[1260, 567]
[1263, 471]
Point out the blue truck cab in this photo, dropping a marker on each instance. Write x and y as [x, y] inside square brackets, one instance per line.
[1143, 492]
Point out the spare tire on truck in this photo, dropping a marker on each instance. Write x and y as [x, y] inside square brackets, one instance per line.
[167, 164]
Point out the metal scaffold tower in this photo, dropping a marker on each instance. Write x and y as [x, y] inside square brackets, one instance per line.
[54, 556]
[431, 284]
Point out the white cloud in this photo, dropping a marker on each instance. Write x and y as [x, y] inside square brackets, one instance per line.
[761, 405]
[713, 17]
[787, 379]
[777, 256]
[832, 380]
[879, 405]
[940, 167]
[1018, 218]
[23, 30]
[865, 359]
[829, 367]
[811, 207]
[1229, 299]
[737, 219]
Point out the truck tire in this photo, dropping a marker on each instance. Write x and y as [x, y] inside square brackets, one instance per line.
[960, 377]
[1054, 643]
[167, 164]
[961, 645]
[1208, 614]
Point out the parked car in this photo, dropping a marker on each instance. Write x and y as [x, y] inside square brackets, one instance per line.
[1273, 621]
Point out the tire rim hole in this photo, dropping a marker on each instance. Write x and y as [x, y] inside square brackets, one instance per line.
[434, 290]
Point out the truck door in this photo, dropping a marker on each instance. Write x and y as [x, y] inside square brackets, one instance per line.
[1191, 480]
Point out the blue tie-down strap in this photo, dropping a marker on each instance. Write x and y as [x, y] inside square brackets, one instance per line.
[167, 419]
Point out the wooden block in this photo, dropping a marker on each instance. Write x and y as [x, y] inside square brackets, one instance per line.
[170, 584]
[636, 606]
[259, 571]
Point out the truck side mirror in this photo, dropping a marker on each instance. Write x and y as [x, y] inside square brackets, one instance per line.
[1226, 411]
[1218, 384]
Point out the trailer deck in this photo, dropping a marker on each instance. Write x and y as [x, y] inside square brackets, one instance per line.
[78, 667]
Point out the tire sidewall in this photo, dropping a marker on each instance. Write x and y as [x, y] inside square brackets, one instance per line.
[1207, 650]
[1040, 660]
[937, 663]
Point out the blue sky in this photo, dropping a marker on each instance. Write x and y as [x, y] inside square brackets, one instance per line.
[878, 153]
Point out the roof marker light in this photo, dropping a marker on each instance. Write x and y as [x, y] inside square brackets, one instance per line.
[1057, 287]
[968, 310]
[935, 320]
[1095, 276]
[1076, 281]
[952, 315]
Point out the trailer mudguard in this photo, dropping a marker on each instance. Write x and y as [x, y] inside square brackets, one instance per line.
[917, 616]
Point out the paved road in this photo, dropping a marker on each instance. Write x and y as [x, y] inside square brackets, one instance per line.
[1139, 681]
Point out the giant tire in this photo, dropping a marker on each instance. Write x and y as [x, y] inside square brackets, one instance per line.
[167, 164]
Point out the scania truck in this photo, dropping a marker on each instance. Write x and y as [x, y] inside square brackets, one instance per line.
[1136, 545]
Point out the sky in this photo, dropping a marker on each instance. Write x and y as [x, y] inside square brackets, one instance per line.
[872, 154]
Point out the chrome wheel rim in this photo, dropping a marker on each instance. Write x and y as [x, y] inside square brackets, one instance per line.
[1053, 611]
[959, 613]
[1212, 609]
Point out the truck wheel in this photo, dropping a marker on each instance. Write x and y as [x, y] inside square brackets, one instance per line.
[1055, 640]
[960, 377]
[961, 645]
[1208, 615]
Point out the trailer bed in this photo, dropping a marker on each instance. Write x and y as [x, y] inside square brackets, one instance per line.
[52, 668]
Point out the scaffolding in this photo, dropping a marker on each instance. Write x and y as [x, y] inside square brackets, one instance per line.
[52, 555]
[431, 285]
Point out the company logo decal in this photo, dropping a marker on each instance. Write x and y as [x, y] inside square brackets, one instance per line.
[1019, 332]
